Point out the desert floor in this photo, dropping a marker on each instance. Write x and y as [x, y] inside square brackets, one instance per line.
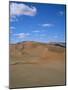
[42, 68]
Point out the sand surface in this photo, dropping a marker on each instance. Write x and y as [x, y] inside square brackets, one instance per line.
[37, 65]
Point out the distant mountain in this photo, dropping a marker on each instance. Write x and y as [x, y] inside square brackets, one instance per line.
[30, 50]
[61, 44]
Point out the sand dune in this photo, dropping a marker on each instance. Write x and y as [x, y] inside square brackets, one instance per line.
[36, 64]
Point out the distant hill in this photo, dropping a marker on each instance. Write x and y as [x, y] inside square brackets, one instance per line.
[36, 51]
[61, 44]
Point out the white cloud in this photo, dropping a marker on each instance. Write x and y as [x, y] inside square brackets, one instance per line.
[12, 28]
[17, 9]
[36, 31]
[61, 13]
[22, 9]
[11, 32]
[21, 35]
[13, 19]
[47, 25]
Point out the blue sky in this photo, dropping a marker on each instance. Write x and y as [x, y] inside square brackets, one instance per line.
[37, 22]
